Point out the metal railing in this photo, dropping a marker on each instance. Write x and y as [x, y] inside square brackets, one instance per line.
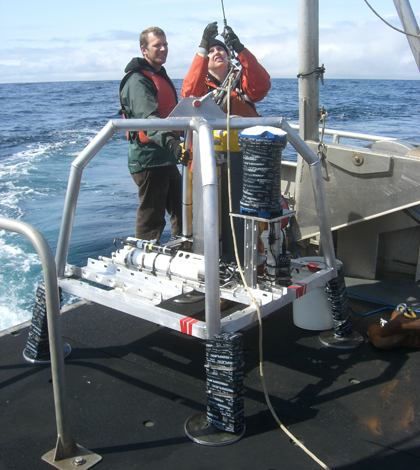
[66, 446]
[337, 134]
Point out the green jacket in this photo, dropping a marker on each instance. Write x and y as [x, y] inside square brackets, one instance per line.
[138, 98]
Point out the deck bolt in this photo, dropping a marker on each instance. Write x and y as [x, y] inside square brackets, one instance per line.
[78, 461]
[358, 160]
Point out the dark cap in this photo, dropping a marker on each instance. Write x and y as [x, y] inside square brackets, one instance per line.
[216, 42]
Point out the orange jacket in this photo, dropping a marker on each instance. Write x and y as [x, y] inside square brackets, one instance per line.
[254, 82]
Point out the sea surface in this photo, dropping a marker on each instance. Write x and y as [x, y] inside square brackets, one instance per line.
[44, 127]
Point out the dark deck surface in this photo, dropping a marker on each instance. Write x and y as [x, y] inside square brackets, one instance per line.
[132, 385]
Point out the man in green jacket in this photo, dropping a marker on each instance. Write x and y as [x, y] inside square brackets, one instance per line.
[146, 92]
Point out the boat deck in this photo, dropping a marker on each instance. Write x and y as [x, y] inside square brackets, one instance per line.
[132, 385]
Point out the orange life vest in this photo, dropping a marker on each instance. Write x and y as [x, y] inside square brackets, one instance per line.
[165, 96]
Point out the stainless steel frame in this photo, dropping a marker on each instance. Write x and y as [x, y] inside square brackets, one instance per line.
[134, 293]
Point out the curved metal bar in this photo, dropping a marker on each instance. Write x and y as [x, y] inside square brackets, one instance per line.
[300, 146]
[76, 171]
[320, 197]
[67, 444]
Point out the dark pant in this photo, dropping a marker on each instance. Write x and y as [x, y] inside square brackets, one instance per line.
[160, 189]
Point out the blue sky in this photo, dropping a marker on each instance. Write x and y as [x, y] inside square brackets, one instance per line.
[49, 40]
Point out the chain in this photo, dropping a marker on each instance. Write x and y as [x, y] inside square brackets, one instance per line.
[321, 146]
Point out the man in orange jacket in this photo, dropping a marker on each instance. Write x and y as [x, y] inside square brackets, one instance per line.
[211, 65]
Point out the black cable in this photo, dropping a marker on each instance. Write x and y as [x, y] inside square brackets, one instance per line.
[389, 24]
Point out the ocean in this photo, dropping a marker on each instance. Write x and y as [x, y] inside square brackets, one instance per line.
[44, 126]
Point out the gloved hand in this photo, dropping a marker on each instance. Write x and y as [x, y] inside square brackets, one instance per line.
[182, 155]
[232, 41]
[209, 33]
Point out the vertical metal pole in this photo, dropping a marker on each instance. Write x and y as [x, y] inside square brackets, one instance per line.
[211, 228]
[308, 13]
[68, 219]
[251, 251]
[326, 240]
[187, 193]
[275, 248]
[409, 22]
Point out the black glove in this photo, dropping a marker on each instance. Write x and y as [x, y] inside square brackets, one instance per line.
[232, 41]
[209, 33]
[182, 155]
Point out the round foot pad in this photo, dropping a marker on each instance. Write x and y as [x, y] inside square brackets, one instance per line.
[200, 431]
[46, 359]
[351, 341]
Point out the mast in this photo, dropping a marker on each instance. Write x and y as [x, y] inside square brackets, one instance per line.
[409, 22]
[308, 32]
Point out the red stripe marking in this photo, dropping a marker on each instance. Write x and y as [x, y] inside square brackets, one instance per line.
[313, 267]
[187, 324]
[300, 288]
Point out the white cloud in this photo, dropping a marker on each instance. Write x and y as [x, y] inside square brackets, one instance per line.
[359, 48]
[366, 50]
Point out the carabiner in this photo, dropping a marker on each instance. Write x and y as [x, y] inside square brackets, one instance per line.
[406, 311]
